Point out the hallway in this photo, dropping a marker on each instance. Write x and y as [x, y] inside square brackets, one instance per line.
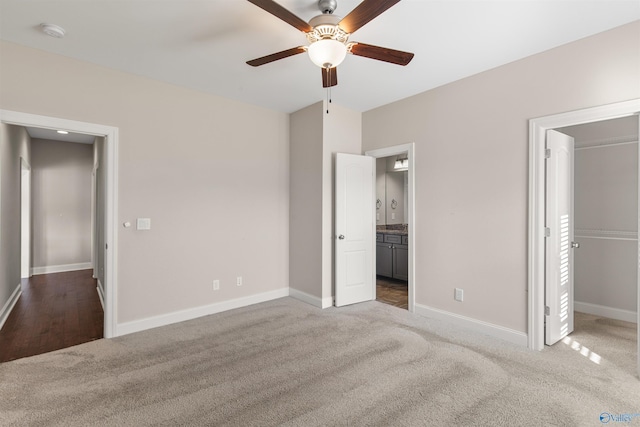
[55, 311]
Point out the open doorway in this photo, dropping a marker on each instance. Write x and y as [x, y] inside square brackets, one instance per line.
[395, 225]
[537, 226]
[59, 304]
[108, 249]
[392, 250]
[605, 267]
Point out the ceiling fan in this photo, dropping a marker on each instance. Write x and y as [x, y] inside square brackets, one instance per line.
[328, 36]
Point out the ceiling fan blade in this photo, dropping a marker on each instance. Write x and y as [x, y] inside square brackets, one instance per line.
[280, 12]
[381, 53]
[329, 77]
[275, 56]
[363, 13]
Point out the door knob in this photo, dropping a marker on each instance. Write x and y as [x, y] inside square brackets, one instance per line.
[575, 245]
[341, 237]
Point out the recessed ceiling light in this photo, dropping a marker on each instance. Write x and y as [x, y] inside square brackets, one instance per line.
[63, 132]
[53, 30]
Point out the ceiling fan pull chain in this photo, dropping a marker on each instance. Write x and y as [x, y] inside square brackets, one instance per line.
[328, 100]
[328, 79]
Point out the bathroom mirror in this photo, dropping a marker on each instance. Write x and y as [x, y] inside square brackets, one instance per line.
[391, 193]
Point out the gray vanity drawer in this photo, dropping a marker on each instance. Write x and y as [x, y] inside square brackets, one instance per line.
[405, 240]
[379, 237]
[393, 238]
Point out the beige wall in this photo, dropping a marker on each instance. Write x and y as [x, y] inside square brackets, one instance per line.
[14, 145]
[61, 203]
[305, 216]
[471, 141]
[316, 137]
[212, 175]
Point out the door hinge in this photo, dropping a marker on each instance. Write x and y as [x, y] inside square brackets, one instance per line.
[547, 153]
[547, 310]
[547, 232]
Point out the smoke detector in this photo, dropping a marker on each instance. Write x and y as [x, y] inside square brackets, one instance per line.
[53, 30]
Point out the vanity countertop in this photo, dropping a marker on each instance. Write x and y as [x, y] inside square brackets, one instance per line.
[391, 231]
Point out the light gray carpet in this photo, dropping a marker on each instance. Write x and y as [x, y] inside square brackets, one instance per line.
[287, 363]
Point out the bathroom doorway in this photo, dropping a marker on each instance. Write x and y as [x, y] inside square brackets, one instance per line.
[394, 231]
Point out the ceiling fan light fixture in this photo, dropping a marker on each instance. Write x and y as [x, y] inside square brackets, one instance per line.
[327, 53]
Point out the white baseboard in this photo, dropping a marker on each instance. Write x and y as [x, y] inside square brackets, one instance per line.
[506, 334]
[604, 311]
[100, 290]
[311, 299]
[193, 313]
[61, 268]
[8, 306]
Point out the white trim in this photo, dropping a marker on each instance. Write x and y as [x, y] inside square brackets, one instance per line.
[8, 306]
[606, 234]
[60, 268]
[495, 331]
[311, 299]
[111, 209]
[100, 290]
[327, 302]
[25, 218]
[537, 136]
[411, 221]
[193, 313]
[604, 311]
[607, 144]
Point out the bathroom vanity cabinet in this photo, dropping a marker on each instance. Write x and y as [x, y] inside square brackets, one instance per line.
[392, 256]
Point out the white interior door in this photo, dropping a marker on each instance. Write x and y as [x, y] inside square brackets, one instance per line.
[354, 229]
[559, 242]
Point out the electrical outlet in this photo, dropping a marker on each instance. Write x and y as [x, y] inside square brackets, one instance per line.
[216, 285]
[459, 294]
[239, 280]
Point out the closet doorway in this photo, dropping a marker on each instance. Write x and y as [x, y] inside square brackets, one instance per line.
[537, 235]
[606, 233]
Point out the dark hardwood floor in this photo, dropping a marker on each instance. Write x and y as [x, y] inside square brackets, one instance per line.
[391, 291]
[54, 311]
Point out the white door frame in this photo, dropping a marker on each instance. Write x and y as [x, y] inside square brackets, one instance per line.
[395, 151]
[111, 209]
[536, 271]
[25, 219]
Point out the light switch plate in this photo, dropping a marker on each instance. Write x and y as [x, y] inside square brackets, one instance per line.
[143, 224]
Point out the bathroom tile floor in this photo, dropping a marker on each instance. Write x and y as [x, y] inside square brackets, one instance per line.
[393, 292]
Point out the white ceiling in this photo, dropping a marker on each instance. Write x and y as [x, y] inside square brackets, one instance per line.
[204, 45]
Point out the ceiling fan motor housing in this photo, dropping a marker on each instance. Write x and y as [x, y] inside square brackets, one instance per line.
[326, 27]
[327, 6]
